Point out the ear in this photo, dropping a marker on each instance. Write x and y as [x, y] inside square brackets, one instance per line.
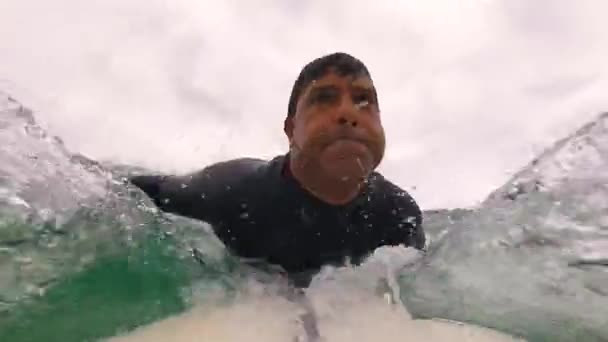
[288, 125]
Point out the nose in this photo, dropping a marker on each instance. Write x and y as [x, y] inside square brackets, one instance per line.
[347, 113]
[346, 120]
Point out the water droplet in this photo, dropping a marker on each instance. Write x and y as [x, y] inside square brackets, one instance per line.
[409, 219]
[360, 164]
[362, 104]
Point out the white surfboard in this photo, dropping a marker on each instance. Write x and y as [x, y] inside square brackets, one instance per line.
[269, 319]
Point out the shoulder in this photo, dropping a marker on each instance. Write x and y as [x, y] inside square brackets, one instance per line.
[213, 182]
[393, 195]
[239, 178]
[230, 171]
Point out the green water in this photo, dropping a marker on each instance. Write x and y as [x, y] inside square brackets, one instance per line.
[113, 295]
[93, 277]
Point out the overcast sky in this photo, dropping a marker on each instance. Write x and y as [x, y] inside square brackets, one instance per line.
[470, 90]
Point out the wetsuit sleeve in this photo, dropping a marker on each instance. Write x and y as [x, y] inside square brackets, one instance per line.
[408, 229]
[204, 195]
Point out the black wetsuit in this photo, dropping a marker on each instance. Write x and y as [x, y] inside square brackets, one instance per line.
[259, 211]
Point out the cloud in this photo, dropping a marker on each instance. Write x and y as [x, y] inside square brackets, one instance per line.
[470, 89]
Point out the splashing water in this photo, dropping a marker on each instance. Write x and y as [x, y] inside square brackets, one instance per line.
[84, 257]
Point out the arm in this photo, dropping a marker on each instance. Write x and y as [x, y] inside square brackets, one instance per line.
[202, 195]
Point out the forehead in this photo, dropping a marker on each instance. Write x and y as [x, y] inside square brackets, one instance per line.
[332, 78]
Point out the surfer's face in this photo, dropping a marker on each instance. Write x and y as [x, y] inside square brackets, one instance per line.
[337, 126]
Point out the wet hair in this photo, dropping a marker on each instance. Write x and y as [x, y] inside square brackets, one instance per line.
[341, 63]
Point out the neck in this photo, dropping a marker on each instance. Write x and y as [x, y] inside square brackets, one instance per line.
[328, 189]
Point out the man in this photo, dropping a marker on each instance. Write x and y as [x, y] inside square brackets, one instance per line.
[322, 202]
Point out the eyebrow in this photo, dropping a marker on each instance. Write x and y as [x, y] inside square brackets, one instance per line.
[365, 88]
[316, 89]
